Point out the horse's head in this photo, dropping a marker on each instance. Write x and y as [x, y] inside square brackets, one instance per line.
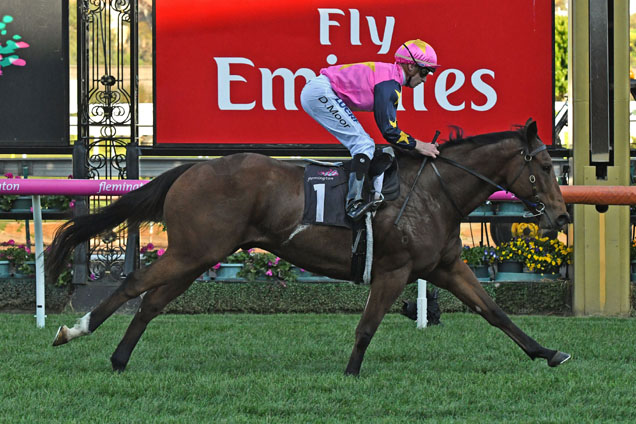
[531, 177]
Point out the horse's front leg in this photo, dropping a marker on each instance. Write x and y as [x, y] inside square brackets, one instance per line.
[385, 289]
[460, 280]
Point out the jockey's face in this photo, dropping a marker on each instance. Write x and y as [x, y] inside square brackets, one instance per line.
[415, 75]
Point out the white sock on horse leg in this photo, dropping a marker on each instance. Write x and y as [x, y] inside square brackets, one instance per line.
[80, 328]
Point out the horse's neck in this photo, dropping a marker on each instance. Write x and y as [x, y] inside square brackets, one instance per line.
[466, 191]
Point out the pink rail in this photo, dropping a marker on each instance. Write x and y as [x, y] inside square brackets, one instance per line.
[590, 195]
[69, 187]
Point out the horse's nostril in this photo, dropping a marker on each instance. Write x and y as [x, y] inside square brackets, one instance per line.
[563, 220]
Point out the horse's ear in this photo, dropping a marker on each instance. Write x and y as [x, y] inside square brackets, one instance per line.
[531, 130]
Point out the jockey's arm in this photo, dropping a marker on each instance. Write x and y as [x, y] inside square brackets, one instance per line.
[386, 98]
[385, 102]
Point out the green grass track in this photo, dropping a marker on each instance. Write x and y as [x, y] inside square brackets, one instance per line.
[289, 369]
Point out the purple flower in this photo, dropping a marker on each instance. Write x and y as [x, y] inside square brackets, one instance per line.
[150, 246]
[269, 273]
[10, 242]
[8, 175]
[217, 266]
[160, 252]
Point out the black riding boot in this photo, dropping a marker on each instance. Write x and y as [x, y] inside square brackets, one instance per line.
[357, 200]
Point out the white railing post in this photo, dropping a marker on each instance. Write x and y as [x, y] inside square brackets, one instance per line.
[421, 304]
[39, 263]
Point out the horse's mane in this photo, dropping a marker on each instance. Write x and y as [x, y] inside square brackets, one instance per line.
[457, 138]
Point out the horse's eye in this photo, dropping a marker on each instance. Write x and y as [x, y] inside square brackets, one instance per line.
[547, 168]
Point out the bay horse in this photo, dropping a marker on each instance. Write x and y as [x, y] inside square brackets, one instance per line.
[248, 200]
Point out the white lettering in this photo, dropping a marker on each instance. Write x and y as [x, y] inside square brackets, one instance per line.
[354, 33]
[289, 91]
[224, 79]
[325, 23]
[418, 98]
[385, 42]
[485, 89]
[355, 27]
[442, 93]
[10, 186]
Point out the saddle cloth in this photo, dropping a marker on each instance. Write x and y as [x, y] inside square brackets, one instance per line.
[326, 185]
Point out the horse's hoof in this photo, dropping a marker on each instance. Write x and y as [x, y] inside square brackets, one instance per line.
[118, 366]
[61, 337]
[558, 359]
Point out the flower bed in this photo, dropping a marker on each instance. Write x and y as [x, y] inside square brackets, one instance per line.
[20, 261]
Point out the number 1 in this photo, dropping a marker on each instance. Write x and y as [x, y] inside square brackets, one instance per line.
[320, 202]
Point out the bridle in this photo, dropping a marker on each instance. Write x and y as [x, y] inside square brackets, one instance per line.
[528, 156]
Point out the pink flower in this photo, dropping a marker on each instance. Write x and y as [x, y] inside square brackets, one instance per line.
[269, 273]
[93, 276]
[11, 242]
[217, 266]
[8, 175]
[269, 263]
[71, 204]
[161, 252]
[277, 260]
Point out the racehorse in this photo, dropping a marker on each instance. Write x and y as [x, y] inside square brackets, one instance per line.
[248, 200]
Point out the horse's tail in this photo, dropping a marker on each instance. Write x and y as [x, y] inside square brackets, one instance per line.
[138, 206]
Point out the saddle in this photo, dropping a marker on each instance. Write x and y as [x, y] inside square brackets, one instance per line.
[325, 193]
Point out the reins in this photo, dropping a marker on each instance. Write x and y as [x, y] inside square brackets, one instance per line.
[537, 205]
[417, 176]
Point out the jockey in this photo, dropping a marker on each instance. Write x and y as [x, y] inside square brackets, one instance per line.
[370, 86]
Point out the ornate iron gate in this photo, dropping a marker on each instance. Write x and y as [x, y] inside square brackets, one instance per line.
[107, 124]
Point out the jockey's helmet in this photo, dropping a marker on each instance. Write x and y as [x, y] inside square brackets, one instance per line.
[417, 52]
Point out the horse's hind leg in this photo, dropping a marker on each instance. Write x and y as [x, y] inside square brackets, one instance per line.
[461, 281]
[151, 306]
[169, 267]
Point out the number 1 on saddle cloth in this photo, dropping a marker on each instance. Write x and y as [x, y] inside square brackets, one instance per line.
[326, 188]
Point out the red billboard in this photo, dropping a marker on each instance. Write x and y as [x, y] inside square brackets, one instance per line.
[230, 73]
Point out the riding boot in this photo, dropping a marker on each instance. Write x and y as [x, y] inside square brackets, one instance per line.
[357, 203]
